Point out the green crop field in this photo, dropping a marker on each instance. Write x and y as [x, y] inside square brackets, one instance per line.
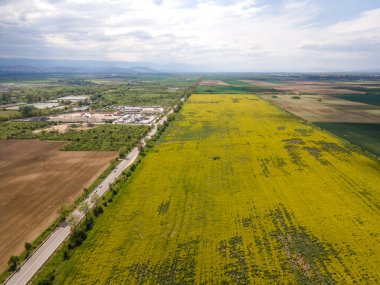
[236, 191]
[234, 86]
[6, 115]
[369, 98]
[366, 136]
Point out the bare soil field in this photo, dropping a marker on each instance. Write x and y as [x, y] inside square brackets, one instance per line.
[61, 129]
[79, 117]
[323, 108]
[64, 128]
[35, 180]
[310, 87]
[213, 83]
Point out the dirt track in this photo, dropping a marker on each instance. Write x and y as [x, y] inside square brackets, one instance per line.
[35, 179]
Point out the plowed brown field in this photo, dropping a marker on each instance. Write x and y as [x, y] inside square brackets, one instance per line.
[35, 180]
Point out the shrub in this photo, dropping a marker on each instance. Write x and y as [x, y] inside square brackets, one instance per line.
[66, 254]
[48, 280]
[13, 262]
[98, 210]
[89, 223]
[77, 238]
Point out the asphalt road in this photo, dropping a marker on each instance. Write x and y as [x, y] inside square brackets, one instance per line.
[54, 241]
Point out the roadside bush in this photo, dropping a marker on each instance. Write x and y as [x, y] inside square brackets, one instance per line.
[66, 254]
[89, 223]
[48, 280]
[13, 263]
[77, 238]
[63, 212]
[98, 210]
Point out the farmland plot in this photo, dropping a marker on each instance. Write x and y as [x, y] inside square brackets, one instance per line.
[323, 108]
[238, 192]
[35, 180]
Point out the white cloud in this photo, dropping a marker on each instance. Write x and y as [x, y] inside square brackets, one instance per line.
[368, 21]
[223, 35]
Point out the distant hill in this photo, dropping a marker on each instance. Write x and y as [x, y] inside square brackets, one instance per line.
[84, 66]
[28, 65]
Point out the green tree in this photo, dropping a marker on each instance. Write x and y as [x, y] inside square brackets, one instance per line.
[13, 262]
[26, 111]
[94, 198]
[6, 97]
[28, 247]
[73, 221]
[30, 98]
[84, 208]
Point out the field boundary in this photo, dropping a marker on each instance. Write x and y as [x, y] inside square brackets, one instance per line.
[346, 142]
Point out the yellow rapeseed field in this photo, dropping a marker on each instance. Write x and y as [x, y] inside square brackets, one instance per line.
[238, 191]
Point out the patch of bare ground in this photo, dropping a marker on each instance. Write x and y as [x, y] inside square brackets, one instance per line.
[64, 128]
[213, 83]
[35, 180]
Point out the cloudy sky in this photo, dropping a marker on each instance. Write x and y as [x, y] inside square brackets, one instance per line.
[219, 35]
